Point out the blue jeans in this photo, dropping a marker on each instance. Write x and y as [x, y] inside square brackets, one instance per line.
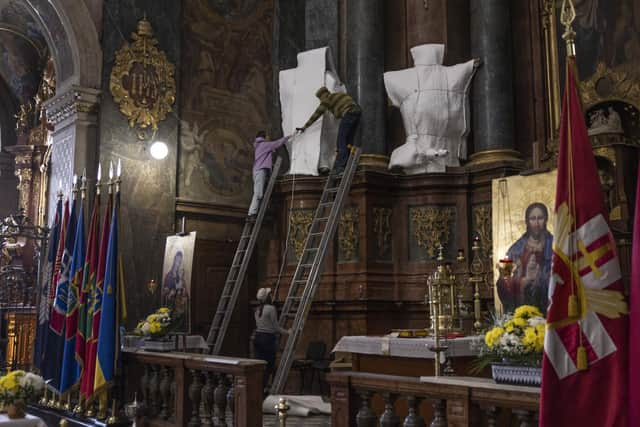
[346, 134]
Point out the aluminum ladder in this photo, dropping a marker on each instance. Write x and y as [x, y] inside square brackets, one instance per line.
[306, 278]
[238, 270]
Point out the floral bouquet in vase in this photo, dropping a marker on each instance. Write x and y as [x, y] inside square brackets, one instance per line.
[156, 325]
[17, 388]
[513, 347]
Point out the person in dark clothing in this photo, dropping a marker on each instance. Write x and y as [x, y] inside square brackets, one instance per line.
[343, 107]
[267, 329]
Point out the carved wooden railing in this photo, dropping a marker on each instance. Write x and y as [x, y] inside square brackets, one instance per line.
[185, 389]
[439, 402]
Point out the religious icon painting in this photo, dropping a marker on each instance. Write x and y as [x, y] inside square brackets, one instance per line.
[522, 229]
[176, 279]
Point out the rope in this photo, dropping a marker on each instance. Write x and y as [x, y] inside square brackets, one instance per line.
[286, 244]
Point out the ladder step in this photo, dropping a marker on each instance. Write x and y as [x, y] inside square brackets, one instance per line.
[332, 190]
[324, 218]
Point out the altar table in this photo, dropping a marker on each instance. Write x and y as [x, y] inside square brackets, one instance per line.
[27, 421]
[405, 356]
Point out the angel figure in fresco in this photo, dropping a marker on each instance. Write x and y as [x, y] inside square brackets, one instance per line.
[531, 255]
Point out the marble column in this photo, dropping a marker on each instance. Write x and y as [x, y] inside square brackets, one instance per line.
[74, 116]
[492, 96]
[365, 66]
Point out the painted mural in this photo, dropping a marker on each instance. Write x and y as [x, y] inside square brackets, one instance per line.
[22, 50]
[226, 89]
[606, 31]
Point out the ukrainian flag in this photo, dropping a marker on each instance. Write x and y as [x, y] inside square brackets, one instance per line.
[108, 342]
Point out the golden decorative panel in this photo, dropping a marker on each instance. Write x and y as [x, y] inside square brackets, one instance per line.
[142, 81]
[432, 227]
[607, 84]
[301, 220]
[482, 228]
[382, 232]
[348, 238]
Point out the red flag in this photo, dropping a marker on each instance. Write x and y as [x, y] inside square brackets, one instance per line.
[85, 314]
[584, 368]
[91, 348]
[634, 316]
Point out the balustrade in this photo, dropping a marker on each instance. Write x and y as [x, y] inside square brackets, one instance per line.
[196, 390]
[456, 401]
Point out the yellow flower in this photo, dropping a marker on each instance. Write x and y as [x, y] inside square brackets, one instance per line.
[526, 311]
[540, 331]
[530, 339]
[509, 326]
[493, 336]
[519, 322]
[155, 327]
[163, 310]
[152, 318]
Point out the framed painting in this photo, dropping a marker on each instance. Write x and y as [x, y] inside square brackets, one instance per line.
[176, 279]
[522, 224]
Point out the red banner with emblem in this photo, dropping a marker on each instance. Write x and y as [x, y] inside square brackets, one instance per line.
[584, 369]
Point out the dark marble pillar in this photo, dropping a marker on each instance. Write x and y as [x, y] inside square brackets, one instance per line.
[365, 66]
[493, 118]
[288, 40]
[148, 187]
[322, 21]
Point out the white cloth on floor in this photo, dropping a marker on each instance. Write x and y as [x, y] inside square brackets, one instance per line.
[299, 406]
[27, 421]
[315, 149]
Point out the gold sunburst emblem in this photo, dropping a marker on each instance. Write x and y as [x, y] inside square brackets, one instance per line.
[142, 81]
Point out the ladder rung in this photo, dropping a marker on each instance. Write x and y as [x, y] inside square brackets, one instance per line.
[332, 190]
[324, 218]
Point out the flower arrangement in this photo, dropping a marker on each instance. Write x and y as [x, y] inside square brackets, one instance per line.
[156, 325]
[20, 386]
[517, 338]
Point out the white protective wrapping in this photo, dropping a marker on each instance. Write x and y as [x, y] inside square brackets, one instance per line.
[315, 149]
[434, 104]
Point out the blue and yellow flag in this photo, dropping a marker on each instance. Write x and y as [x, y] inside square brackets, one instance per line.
[70, 369]
[44, 306]
[108, 337]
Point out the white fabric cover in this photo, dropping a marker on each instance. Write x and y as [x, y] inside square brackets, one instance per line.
[315, 149]
[407, 347]
[299, 406]
[434, 104]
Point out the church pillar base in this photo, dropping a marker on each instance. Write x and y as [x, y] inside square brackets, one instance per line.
[374, 161]
[501, 155]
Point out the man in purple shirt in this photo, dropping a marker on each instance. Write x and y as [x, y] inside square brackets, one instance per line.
[262, 168]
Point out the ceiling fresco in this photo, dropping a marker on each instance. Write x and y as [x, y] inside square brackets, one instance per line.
[23, 50]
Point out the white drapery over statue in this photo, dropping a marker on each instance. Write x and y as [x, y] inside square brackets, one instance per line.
[315, 149]
[434, 104]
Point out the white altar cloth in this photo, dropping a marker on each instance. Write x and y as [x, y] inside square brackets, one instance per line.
[406, 347]
[27, 421]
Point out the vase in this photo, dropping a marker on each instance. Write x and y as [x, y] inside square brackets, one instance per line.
[506, 373]
[16, 409]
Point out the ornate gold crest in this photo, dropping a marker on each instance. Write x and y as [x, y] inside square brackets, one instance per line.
[142, 80]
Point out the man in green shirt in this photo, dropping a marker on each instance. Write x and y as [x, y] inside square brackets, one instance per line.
[343, 107]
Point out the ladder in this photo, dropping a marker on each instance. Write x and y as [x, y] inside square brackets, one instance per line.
[305, 280]
[239, 265]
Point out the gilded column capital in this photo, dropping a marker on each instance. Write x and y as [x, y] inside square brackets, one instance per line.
[67, 105]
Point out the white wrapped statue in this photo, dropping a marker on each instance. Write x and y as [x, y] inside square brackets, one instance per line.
[434, 104]
[314, 150]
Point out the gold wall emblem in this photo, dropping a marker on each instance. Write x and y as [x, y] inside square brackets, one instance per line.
[142, 81]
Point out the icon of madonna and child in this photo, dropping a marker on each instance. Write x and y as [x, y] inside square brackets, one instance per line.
[531, 256]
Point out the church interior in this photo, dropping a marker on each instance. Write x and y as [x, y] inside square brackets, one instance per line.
[319, 212]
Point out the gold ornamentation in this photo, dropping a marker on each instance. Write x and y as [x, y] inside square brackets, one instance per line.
[432, 225]
[609, 85]
[482, 227]
[382, 230]
[300, 223]
[142, 81]
[348, 234]
[23, 118]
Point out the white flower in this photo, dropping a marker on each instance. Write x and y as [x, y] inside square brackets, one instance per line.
[537, 320]
[32, 380]
[145, 328]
